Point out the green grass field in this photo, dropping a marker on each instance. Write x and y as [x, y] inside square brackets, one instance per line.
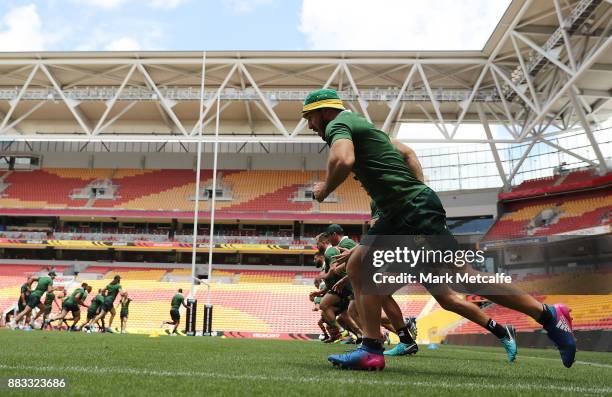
[136, 365]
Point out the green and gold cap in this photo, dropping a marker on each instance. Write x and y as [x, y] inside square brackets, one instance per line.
[323, 98]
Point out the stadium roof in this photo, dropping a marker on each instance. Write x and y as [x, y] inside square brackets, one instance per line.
[532, 80]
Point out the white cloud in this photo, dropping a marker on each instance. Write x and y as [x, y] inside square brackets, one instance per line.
[21, 29]
[132, 35]
[124, 43]
[246, 5]
[107, 4]
[166, 4]
[399, 24]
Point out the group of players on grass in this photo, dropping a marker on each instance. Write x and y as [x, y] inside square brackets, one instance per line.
[403, 205]
[334, 298]
[38, 302]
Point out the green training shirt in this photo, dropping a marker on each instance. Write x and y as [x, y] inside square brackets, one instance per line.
[113, 290]
[379, 166]
[96, 302]
[347, 243]
[49, 298]
[329, 254]
[42, 286]
[177, 300]
[125, 303]
[71, 300]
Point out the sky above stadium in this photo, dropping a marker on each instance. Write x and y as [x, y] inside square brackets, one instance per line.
[126, 25]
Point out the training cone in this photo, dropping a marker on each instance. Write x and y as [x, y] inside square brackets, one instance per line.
[432, 346]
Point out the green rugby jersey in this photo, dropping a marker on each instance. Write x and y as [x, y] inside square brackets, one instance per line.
[177, 300]
[113, 290]
[379, 166]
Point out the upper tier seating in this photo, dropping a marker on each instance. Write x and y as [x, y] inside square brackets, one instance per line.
[574, 211]
[571, 181]
[174, 190]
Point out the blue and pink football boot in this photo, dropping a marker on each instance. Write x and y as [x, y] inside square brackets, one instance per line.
[362, 358]
[559, 330]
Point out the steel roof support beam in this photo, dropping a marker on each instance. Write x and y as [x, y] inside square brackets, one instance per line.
[270, 114]
[21, 118]
[117, 116]
[587, 130]
[165, 103]
[526, 74]
[498, 163]
[13, 103]
[208, 103]
[592, 56]
[71, 104]
[362, 103]
[396, 101]
[111, 103]
[434, 102]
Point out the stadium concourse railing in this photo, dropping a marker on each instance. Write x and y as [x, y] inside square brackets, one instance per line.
[126, 237]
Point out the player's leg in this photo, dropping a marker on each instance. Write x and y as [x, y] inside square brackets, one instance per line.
[76, 316]
[41, 312]
[368, 305]
[321, 324]
[91, 315]
[171, 322]
[407, 344]
[328, 305]
[449, 300]
[33, 302]
[386, 323]
[431, 220]
[555, 319]
[21, 315]
[102, 322]
[346, 323]
[353, 313]
[175, 315]
[61, 316]
[507, 295]
[369, 355]
[97, 318]
[112, 316]
[349, 323]
[46, 317]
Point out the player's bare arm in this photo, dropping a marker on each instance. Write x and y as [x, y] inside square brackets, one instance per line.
[339, 166]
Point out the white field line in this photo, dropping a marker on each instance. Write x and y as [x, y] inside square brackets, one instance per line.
[519, 356]
[315, 380]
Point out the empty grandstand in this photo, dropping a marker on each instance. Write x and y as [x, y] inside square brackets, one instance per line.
[100, 156]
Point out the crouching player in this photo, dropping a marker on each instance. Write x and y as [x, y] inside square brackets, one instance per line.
[72, 304]
[95, 306]
[44, 284]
